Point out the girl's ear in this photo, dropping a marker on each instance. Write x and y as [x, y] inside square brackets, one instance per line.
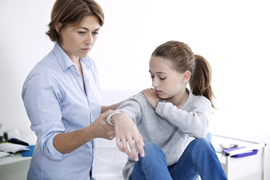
[58, 27]
[186, 77]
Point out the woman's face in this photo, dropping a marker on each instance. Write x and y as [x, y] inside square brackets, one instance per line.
[167, 82]
[77, 42]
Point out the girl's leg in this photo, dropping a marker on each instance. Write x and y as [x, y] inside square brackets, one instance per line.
[198, 158]
[152, 166]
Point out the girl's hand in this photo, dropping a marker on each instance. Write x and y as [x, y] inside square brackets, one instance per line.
[126, 135]
[151, 97]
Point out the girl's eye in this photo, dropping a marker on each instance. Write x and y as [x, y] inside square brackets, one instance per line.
[162, 78]
[152, 77]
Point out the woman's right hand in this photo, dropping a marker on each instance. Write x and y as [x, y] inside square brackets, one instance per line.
[101, 128]
[69, 141]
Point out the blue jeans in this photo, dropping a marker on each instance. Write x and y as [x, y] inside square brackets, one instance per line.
[199, 158]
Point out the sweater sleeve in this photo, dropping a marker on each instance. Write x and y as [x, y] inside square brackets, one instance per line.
[133, 107]
[194, 122]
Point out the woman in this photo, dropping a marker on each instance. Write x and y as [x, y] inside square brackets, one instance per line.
[168, 115]
[62, 96]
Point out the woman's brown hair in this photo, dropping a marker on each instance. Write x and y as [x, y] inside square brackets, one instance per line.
[183, 59]
[72, 12]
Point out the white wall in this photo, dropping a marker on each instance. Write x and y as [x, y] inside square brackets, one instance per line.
[232, 35]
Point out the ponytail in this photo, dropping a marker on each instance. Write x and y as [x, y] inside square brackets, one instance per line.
[183, 60]
[200, 81]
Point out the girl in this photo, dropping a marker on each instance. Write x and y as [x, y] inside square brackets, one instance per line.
[168, 114]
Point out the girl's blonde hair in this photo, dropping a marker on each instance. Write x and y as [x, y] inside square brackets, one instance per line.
[183, 59]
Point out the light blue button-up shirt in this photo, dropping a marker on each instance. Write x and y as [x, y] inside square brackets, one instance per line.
[55, 102]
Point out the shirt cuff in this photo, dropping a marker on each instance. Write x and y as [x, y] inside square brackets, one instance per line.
[159, 102]
[50, 150]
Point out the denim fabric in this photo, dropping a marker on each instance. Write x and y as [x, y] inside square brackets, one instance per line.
[199, 158]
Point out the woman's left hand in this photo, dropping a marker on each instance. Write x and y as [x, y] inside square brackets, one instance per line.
[151, 97]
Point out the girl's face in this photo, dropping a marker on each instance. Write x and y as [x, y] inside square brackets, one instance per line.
[77, 42]
[167, 82]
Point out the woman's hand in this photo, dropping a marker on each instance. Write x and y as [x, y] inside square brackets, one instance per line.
[126, 134]
[70, 141]
[101, 128]
[151, 97]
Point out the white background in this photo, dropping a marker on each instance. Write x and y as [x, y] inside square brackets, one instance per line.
[232, 35]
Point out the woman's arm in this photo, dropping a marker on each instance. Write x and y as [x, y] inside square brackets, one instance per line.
[112, 107]
[70, 141]
[45, 115]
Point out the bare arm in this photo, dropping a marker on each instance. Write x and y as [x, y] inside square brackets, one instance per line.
[112, 107]
[70, 141]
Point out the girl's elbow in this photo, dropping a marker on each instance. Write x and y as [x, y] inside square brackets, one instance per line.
[202, 130]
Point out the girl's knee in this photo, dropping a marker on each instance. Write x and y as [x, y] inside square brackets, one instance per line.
[152, 151]
[201, 143]
[153, 156]
[150, 147]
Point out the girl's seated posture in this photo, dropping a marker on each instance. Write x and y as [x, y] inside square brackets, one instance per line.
[168, 114]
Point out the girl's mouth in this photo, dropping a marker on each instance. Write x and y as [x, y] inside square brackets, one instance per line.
[158, 91]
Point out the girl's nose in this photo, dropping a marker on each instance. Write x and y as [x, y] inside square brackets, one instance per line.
[155, 82]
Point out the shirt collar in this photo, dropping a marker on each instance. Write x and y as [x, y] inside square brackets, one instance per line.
[87, 61]
[64, 61]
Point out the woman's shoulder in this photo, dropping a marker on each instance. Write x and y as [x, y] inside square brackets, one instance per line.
[46, 70]
[46, 65]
